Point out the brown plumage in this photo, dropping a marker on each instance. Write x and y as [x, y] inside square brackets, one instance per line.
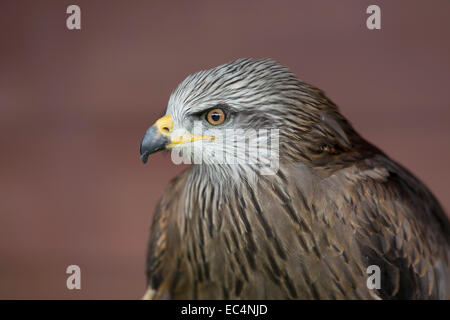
[336, 205]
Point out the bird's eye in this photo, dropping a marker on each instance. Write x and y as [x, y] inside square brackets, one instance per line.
[215, 116]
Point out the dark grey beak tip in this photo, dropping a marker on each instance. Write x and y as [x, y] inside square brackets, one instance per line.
[144, 157]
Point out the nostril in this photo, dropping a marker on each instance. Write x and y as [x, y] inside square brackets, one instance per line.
[165, 129]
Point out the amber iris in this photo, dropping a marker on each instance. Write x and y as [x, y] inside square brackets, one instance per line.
[215, 116]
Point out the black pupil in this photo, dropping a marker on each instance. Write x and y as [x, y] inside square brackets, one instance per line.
[215, 116]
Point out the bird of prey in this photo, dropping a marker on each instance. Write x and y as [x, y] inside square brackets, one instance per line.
[335, 207]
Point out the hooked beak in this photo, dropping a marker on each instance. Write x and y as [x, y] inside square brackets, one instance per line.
[159, 137]
[156, 138]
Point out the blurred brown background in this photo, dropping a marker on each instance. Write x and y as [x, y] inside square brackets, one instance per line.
[75, 104]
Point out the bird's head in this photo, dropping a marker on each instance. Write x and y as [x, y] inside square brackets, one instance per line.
[241, 111]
